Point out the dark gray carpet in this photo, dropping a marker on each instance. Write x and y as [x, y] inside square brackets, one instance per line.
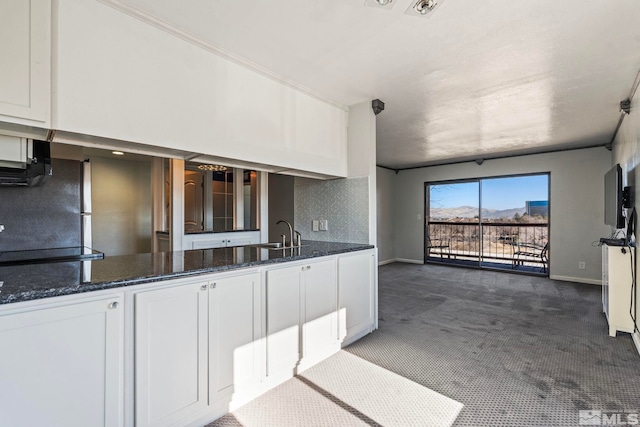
[514, 350]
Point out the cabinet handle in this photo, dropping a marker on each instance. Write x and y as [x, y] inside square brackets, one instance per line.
[203, 287]
[213, 286]
[308, 267]
[114, 304]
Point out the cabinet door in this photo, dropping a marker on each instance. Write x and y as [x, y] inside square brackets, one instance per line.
[207, 244]
[320, 328]
[240, 241]
[234, 330]
[62, 366]
[170, 353]
[355, 295]
[283, 320]
[25, 59]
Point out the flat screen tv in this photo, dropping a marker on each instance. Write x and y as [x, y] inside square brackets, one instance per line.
[613, 215]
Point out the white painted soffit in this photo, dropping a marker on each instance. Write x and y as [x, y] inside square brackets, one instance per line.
[475, 79]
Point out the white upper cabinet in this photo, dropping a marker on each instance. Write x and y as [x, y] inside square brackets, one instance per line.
[25, 62]
[142, 84]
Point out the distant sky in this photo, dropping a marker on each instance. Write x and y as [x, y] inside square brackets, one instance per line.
[497, 193]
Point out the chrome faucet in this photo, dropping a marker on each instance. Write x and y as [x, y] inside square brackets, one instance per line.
[290, 229]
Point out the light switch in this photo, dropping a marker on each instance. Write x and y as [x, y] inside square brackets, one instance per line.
[324, 225]
[315, 225]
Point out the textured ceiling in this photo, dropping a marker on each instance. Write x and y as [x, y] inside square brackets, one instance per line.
[476, 79]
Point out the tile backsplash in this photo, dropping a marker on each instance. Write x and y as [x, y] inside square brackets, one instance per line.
[44, 216]
[343, 203]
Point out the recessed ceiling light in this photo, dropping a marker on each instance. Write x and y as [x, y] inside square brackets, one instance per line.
[423, 7]
[379, 4]
[118, 153]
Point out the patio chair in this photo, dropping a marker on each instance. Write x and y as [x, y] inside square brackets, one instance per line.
[530, 253]
[439, 244]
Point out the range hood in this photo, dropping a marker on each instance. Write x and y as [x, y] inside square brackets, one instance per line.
[24, 162]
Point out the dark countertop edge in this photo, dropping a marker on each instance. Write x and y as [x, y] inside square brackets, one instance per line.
[106, 286]
[191, 233]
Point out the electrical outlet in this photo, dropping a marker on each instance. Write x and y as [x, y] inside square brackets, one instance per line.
[582, 265]
[419, 217]
[315, 225]
[324, 225]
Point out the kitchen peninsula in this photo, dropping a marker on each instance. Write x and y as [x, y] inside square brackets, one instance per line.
[174, 338]
[186, 334]
[36, 281]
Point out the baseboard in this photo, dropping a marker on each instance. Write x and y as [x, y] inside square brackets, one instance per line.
[410, 261]
[387, 261]
[576, 279]
[636, 340]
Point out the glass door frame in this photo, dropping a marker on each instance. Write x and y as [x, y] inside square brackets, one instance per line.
[479, 265]
[427, 214]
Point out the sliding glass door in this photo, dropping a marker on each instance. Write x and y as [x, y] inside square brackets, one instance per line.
[453, 219]
[500, 222]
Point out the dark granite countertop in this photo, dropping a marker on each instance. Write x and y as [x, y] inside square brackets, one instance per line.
[29, 282]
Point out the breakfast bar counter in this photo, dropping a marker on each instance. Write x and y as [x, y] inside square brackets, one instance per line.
[43, 280]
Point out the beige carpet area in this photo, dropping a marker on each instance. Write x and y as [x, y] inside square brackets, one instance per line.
[346, 390]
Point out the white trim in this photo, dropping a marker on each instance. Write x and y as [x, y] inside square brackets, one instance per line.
[409, 261]
[636, 340]
[577, 280]
[387, 261]
[223, 53]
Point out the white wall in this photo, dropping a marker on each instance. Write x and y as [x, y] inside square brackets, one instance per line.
[386, 215]
[576, 204]
[122, 210]
[116, 76]
[348, 204]
[626, 151]
[361, 156]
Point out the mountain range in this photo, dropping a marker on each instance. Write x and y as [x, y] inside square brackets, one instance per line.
[470, 212]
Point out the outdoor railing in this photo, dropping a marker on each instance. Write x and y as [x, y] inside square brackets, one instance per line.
[493, 241]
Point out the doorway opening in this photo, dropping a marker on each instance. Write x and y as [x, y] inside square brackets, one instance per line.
[492, 223]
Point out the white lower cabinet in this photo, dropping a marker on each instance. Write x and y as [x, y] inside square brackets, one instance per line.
[301, 316]
[220, 240]
[617, 302]
[320, 312]
[282, 293]
[356, 295]
[171, 353]
[195, 347]
[234, 335]
[62, 365]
